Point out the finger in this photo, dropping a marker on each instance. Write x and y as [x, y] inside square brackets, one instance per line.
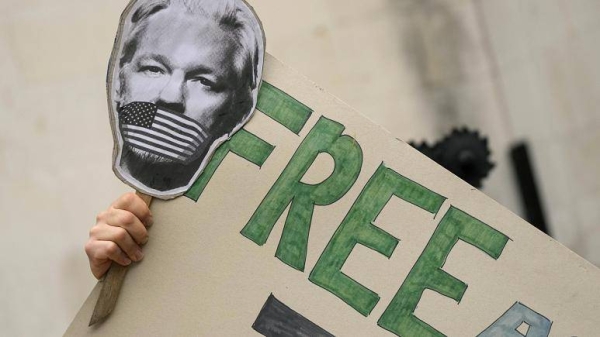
[115, 253]
[134, 204]
[126, 220]
[108, 250]
[121, 237]
[101, 254]
[100, 269]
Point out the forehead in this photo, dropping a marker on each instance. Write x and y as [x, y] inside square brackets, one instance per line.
[187, 39]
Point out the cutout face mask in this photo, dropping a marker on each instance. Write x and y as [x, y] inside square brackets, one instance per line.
[184, 76]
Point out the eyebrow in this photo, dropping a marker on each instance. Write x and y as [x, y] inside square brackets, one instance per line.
[156, 57]
[203, 70]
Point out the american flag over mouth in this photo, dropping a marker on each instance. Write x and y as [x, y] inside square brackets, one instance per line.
[144, 126]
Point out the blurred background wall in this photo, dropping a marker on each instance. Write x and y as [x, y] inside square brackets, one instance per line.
[513, 69]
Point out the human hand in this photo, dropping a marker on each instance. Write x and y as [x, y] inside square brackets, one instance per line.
[118, 233]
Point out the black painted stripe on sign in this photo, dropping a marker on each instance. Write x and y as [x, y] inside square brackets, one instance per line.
[278, 320]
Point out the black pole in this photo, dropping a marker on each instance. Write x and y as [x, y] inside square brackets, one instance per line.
[530, 197]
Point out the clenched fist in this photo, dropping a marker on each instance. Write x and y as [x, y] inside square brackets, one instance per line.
[118, 234]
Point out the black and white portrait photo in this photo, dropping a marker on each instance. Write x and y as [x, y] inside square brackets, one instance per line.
[184, 76]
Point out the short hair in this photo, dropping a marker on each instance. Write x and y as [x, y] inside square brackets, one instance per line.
[230, 15]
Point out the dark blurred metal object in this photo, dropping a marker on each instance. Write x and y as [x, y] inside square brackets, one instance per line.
[532, 204]
[463, 152]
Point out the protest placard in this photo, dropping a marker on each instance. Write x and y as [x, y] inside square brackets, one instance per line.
[314, 221]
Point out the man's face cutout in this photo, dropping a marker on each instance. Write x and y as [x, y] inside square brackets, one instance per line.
[183, 78]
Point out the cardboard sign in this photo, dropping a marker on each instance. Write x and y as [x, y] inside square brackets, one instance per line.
[313, 221]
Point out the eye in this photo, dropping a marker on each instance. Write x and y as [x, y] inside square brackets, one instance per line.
[205, 82]
[152, 71]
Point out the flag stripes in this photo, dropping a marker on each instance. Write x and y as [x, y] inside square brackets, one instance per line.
[173, 127]
[182, 138]
[146, 127]
[178, 119]
[171, 139]
[165, 144]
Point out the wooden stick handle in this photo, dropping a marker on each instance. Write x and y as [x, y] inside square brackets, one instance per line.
[112, 283]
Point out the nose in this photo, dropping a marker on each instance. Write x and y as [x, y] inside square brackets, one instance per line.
[172, 96]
